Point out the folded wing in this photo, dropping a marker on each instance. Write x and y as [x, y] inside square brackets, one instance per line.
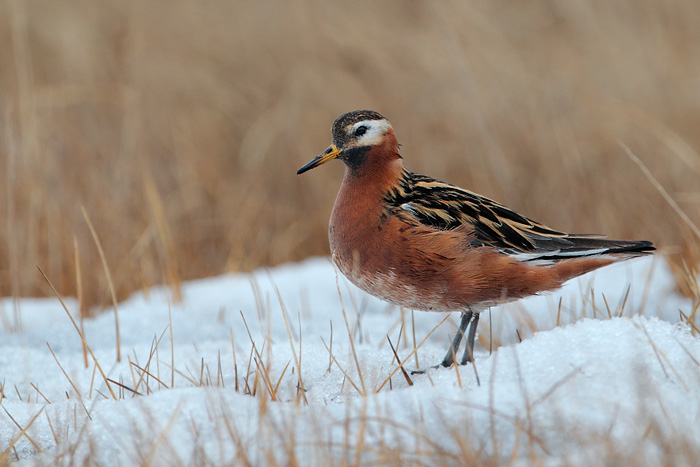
[447, 207]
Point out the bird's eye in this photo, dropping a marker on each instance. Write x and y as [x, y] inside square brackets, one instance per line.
[360, 130]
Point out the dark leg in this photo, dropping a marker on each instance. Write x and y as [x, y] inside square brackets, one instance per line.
[469, 349]
[449, 357]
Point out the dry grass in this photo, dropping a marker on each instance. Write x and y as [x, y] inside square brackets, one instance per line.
[178, 125]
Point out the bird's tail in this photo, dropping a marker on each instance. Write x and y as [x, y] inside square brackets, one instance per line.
[580, 246]
[589, 253]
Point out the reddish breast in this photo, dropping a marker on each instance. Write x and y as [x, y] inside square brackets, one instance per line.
[386, 254]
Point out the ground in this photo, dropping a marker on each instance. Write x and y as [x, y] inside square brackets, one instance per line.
[265, 373]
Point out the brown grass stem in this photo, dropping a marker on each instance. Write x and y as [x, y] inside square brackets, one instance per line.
[108, 275]
[400, 365]
[659, 187]
[82, 337]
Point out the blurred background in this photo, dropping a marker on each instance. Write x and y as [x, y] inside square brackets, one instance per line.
[175, 127]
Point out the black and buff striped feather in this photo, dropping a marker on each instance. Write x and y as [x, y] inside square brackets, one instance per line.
[446, 207]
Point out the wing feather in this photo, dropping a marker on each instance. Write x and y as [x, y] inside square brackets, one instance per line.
[447, 207]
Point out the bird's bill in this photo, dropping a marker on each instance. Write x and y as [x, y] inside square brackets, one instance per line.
[332, 152]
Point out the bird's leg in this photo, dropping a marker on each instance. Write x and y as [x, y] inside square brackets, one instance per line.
[449, 357]
[469, 349]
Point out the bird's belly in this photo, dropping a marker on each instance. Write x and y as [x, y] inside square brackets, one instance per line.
[377, 264]
[396, 290]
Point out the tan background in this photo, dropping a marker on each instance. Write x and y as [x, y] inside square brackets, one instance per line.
[179, 125]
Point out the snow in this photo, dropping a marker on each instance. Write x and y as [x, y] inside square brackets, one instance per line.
[616, 381]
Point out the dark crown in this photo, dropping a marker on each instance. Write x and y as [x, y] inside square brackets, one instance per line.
[350, 118]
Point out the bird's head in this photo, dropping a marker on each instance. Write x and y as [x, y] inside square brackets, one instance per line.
[360, 138]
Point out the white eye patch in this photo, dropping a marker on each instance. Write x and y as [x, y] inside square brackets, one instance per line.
[368, 132]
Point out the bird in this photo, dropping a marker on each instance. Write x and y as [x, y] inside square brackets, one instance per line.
[424, 244]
